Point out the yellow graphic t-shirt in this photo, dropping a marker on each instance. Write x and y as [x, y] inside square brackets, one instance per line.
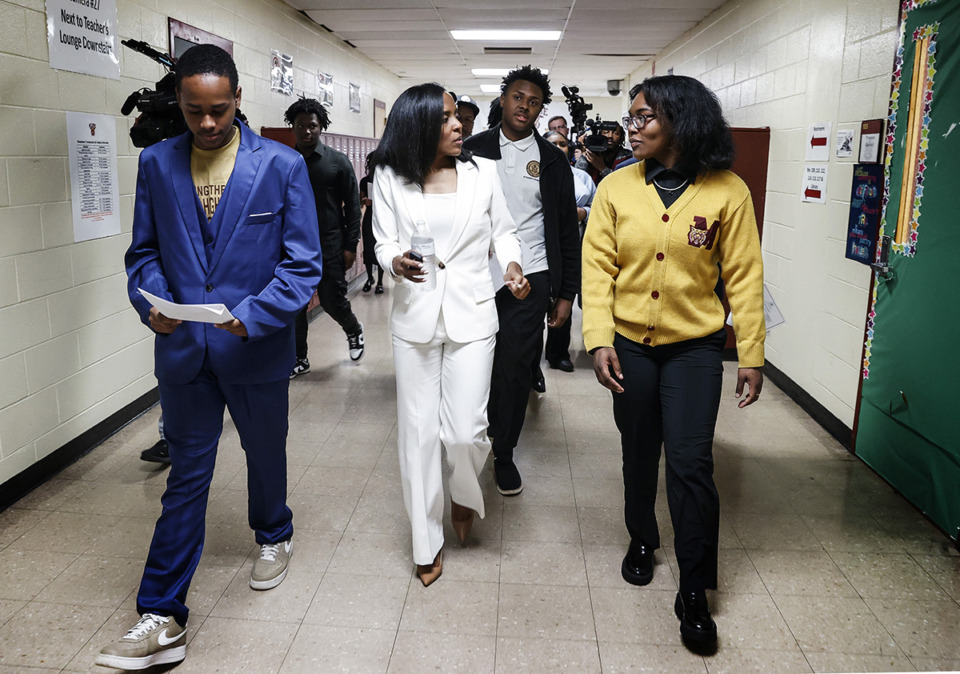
[211, 170]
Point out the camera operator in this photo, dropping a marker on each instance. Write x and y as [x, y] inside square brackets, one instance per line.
[601, 164]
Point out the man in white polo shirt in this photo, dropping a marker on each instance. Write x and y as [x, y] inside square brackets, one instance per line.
[538, 185]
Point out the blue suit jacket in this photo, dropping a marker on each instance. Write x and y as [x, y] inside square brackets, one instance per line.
[264, 263]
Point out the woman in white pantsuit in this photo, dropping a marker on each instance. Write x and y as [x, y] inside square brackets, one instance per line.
[443, 339]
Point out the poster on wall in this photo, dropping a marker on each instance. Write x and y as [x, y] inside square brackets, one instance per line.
[354, 97]
[818, 142]
[325, 89]
[864, 219]
[281, 73]
[845, 142]
[82, 35]
[870, 132]
[814, 188]
[94, 191]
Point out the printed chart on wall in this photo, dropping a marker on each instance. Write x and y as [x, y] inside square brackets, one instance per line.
[95, 194]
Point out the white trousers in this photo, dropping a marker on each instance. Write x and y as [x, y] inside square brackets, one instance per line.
[442, 392]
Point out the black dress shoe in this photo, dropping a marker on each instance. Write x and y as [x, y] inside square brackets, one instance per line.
[158, 453]
[637, 566]
[538, 383]
[696, 626]
[566, 365]
[367, 286]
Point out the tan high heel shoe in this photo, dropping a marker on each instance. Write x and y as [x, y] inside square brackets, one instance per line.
[461, 517]
[430, 572]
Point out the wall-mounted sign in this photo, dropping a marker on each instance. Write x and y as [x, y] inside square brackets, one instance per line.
[83, 36]
[864, 212]
[845, 142]
[818, 142]
[871, 132]
[325, 89]
[814, 184]
[281, 73]
[354, 97]
[94, 191]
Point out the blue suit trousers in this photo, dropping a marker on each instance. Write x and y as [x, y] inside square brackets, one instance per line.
[193, 422]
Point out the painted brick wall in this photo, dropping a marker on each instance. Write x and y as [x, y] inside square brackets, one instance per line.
[787, 65]
[72, 350]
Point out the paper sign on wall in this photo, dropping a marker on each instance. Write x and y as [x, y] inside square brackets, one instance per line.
[94, 191]
[83, 36]
[818, 142]
[814, 184]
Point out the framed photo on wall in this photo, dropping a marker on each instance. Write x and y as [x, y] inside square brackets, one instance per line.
[354, 97]
[183, 36]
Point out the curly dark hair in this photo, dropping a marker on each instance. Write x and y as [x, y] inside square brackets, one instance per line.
[693, 113]
[307, 106]
[528, 74]
[207, 59]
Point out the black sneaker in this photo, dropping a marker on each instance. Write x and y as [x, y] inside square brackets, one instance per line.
[355, 343]
[508, 477]
[158, 453]
[302, 367]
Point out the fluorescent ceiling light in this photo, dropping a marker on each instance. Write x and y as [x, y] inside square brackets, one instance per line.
[498, 72]
[490, 88]
[506, 35]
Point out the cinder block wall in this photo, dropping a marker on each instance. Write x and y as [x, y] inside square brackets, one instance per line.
[786, 65]
[72, 351]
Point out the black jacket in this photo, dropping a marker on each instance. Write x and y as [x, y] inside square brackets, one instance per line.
[559, 209]
[338, 200]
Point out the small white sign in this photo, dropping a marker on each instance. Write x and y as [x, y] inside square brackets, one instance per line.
[94, 191]
[83, 36]
[845, 142]
[870, 148]
[818, 142]
[814, 184]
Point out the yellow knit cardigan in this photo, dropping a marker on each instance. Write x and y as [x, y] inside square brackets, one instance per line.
[649, 273]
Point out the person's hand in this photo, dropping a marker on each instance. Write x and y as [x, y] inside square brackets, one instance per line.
[161, 323]
[581, 213]
[560, 313]
[606, 366]
[595, 160]
[349, 257]
[753, 378]
[408, 269]
[366, 201]
[516, 282]
[234, 327]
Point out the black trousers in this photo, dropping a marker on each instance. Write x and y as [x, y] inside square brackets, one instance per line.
[518, 347]
[332, 292]
[558, 342]
[671, 397]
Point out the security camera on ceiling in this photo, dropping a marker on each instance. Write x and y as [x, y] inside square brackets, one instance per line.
[613, 87]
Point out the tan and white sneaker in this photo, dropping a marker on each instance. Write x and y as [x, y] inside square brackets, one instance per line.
[271, 567]
[154, 640]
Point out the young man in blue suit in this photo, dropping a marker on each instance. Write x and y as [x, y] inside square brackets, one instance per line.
[221, 216]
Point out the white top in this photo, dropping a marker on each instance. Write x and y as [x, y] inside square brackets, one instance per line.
[519, 171]
[584, 188]
[440, 211]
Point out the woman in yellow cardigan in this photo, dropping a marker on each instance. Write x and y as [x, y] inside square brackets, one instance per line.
[662, 232]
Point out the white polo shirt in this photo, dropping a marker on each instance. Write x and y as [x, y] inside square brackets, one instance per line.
[519, 170]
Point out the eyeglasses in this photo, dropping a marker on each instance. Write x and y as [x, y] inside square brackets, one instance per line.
[638, 122]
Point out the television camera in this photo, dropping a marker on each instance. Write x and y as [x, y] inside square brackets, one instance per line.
[160, 116]
[594, 141]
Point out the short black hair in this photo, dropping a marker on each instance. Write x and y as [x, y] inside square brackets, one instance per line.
[412, 134]
[207, 59]
[528, 74]
[694, 116]
[307, 106]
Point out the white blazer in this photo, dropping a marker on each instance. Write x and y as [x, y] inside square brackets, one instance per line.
[465, 289]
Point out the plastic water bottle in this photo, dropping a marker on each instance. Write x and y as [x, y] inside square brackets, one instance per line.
[422, 242]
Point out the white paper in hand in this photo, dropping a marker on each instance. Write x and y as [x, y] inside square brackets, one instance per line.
[200, 313]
